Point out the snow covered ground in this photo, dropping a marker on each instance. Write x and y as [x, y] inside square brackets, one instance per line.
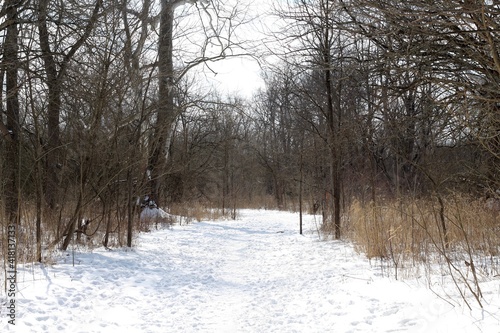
[255, 274]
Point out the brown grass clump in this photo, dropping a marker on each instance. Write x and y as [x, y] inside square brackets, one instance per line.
[456, 227]
[382, 229]
[195, 211]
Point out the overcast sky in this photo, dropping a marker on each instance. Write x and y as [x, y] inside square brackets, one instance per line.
[242, 76]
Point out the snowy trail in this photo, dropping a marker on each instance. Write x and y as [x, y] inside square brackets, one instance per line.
[255, 274]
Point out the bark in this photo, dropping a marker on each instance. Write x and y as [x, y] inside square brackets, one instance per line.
[333, 118]
[53, 107]
[130, 209]
[55, 74]
[11, 62]
[165, 111]
[132, 63]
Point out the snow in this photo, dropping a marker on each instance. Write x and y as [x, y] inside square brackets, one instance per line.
[154, 213]
[255, 274]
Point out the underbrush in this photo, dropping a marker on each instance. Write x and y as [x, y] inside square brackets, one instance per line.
[196, 212]
[455, 236]
[94, 227]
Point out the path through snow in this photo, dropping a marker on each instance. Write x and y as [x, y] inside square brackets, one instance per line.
[255, 274]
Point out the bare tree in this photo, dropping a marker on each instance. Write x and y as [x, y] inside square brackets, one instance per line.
[218, 32]
[276, 122]
[11, 64]
[55, 70]
[132, 59]
[446, 51]
[318, 47]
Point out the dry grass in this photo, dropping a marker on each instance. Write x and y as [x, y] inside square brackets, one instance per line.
[55, 223]
[381, 229]
[196, 211]
[412, 231]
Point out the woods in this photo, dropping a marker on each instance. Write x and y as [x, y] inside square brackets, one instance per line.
[383, 117]
[89, 105]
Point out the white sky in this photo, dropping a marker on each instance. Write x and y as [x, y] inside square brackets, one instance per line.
[242, 76]
[236, 76]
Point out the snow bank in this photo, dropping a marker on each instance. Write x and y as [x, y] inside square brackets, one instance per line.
[154, 214]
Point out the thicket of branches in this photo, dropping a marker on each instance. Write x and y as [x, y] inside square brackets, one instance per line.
[99, 110]
[394, 110]
[404, 97]
[374, 107]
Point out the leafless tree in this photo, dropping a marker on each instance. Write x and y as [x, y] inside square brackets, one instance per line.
[218, 32]
[317, 46]
[276, 121]
[11, 66]
[447, 55]
[56, 62]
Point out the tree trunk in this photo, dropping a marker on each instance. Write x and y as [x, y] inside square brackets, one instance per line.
[301, 187]
[39, 198]
[11, 63]
[55, 73]
[130, 208]
[105, 242]
[70, 229]
[165, 110]
[333, 122]
[53, 108]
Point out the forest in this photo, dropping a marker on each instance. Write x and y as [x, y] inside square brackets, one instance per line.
[380, 116]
